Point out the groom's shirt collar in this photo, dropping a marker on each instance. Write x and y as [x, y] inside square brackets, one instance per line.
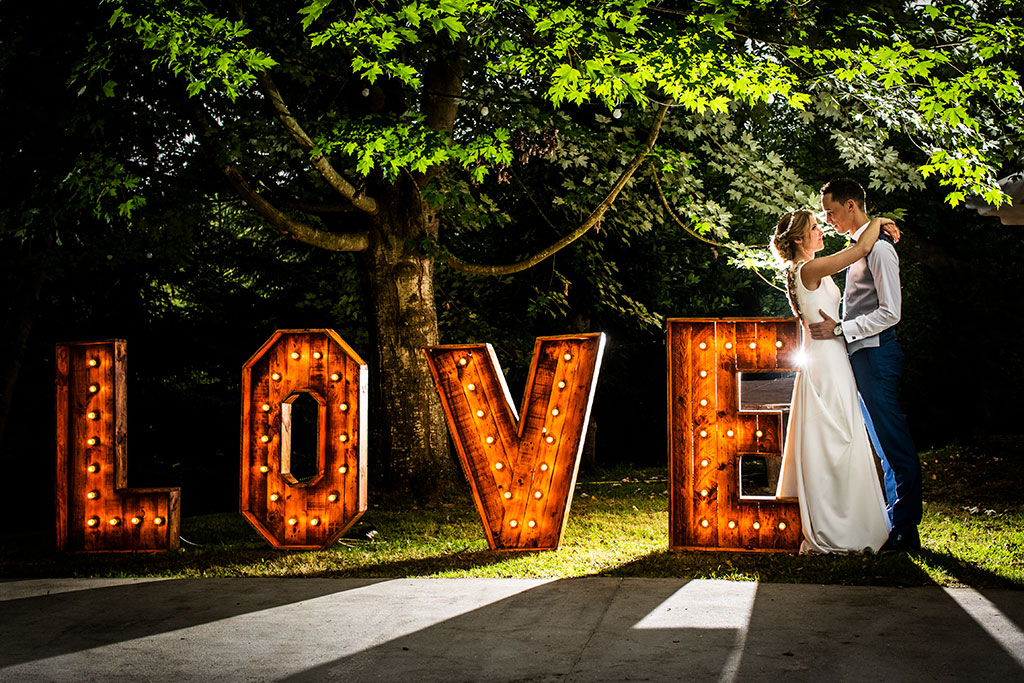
[855, 235]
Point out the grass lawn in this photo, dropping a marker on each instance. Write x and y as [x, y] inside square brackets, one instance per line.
[973, 533]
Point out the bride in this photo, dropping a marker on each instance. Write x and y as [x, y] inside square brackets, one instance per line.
[827, 462]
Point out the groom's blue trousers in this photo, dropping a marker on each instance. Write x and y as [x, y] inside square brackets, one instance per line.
[878, 370]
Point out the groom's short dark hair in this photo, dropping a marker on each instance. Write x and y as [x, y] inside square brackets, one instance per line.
[843, 189]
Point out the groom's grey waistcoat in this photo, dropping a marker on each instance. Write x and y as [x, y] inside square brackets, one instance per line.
[872, 301]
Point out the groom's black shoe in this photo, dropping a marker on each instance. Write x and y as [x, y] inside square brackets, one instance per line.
[901, 542]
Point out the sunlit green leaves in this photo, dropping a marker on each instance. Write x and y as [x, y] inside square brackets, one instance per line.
[193, 44]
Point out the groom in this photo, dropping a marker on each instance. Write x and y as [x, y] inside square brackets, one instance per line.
[871, 309]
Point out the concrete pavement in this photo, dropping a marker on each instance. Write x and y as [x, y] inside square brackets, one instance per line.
[592, 629]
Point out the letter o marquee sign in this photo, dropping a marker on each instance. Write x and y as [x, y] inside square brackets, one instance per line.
[314, 513]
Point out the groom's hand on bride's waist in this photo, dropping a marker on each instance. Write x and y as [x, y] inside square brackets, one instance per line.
[826, 329]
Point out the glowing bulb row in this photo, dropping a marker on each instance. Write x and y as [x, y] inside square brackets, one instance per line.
[729, 432]
[93, 522]
[292, 521]
[266, 408]
[500, 466]
[530, 524]
[756, 526]
[728, 345]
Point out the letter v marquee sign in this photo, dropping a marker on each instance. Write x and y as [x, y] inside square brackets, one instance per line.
[522, 471]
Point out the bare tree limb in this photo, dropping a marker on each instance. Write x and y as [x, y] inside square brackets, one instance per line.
[291, 124]
[319, 161]
[303, 232]
[593, 219]
[677, 219]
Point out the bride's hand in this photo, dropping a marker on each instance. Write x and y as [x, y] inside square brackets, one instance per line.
[890, 228]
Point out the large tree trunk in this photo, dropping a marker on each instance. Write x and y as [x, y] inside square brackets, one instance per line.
[409, 448]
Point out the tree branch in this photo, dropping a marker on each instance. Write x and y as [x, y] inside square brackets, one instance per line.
[303, 232]
[593, 219]
[319, 161]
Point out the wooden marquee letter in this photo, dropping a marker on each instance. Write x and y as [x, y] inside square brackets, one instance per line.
[95, 509]
[708, 434]
[522, 472]
[314, 513]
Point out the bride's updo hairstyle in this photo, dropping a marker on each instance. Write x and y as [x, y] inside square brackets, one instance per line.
[791, 227]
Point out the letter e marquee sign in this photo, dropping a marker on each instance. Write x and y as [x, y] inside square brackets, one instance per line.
[709, 434]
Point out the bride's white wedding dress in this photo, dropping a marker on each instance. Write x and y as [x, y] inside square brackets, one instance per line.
[828, 463]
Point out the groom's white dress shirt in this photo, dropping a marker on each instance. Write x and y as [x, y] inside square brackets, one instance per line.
[872, 301]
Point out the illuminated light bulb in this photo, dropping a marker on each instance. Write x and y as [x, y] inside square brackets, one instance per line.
[264, 438]
[704, 462]
[703, 345]
[471, 387]
[567, 356]
[365, 92]
[315, 521]
[549, 438]
[343, 438]
[531, 524]
[114, 521]
[265, 407]
[92, 440]
[543, 467]
[93, 415]
[276, 376]
[92, 495]
[343, 407]
[704, 523]
[616, 113]
[729, 432]
[704, 493]
[554, 411]
[489, 439]
[93, 362]
[158, 521]
[295, 355]
[264, 469]
[485, 110]
[508, 494]
[757, 525]
[499, 466]
[561, 385]
[732, 524]
[703, 433]
[317, 355]
[753, 345]
[463, 361]
[513, 524]
[333, 496]
[778, 344]
[92, 521]
[759, 433]
[538, 495]
[335, 377]
[93, 468]
[343, 469]
[93, 388]
[292, 521]
[782, 526]
[136, 520]
[728, 345]
[479, 413]
[703, 373]
[703, 401]
[274, 497]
